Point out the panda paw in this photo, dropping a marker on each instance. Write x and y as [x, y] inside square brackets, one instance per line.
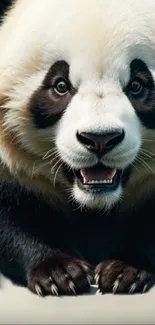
[59, 275]
[114, 276]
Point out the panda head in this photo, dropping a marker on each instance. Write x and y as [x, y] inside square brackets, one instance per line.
[78, 95]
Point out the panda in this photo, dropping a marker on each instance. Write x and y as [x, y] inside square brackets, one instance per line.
[77, 146]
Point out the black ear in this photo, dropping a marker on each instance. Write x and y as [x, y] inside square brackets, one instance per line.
[4, 5]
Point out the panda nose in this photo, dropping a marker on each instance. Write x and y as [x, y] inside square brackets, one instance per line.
[101, 143]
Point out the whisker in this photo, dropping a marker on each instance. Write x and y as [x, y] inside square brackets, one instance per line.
[52, 169]
[148, 156]
[56, 173]
[49, 154]
[135, 167]
[143, 162]
[148, 151]
[52, 161]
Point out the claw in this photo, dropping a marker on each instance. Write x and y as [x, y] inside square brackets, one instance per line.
[38, 290]
[98, 291]
[72, 287]
[145, 288]
[54, 290]
[97, 277]
[89, 279]
[132, 288]
[116, 285]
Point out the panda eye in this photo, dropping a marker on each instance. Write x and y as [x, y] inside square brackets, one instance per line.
[61, 87]
[136, 87]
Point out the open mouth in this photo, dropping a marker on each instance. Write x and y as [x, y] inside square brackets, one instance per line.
[98, 178]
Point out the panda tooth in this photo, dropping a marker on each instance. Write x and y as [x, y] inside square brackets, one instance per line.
[108, 181]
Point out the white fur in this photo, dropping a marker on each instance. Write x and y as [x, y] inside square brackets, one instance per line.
[99, 39]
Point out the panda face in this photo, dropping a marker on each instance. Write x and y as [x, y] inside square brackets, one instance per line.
[98, 127]
[89, 104]
[99, 135]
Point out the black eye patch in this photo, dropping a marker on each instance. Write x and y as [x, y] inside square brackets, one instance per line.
[141, 92]
[49, 101]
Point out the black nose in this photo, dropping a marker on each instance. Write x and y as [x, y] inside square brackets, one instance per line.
[101, 143]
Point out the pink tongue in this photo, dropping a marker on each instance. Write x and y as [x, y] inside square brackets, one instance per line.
[98, 174]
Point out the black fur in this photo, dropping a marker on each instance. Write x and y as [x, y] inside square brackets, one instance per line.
[33, 234]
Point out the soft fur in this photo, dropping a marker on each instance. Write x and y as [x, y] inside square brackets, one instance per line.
[47, 220]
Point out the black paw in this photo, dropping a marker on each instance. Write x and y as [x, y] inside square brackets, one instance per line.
[113, 276]
[59, 275]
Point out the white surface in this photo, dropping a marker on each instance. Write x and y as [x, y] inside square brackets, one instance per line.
[18, 305]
